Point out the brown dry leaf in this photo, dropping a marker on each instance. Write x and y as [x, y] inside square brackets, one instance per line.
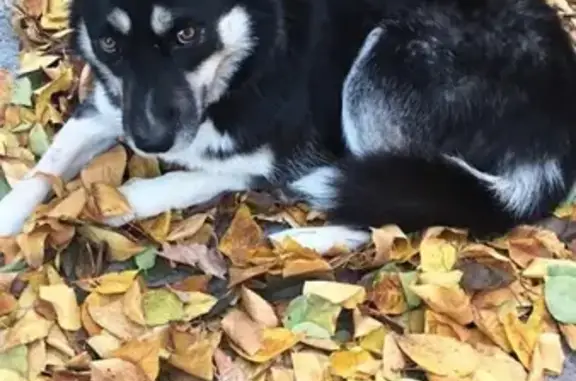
[310, 366]
[120, 248]
[439, 324]
[258, 308]
[109, 201]
[111, 317]
[196, 255]
[157, 227]
[451, 301]
[116, 370]
[228, 370]
[242, 237]
[36, 358]
[196, 360]
[29, 328]
[440, 355]
[115, 283]
[488, 323]
[33, 246]
[346, 295]
[107, 168]
[143, 167]
[8, 303]
[94, 299]
[71, 206]
[387, 294]
[187, 228]
[243, 331]
[58, 340]
[275, 341]
[553, 357]
[393, 360]
[144, 352]
[132, 304]
[392, 245]
[6, 280]
[63, 299]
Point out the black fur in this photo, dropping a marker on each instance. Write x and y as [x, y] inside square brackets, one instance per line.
[489, 81]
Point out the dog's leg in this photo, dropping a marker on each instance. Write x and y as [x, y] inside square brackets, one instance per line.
[318, 190]
[174, 190]
[94, 128]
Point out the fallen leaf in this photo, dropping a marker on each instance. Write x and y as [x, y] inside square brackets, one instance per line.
[115, 370]
[242, 237]
[196, 304]
[313, 316]
[451, 301]
[132, 304]
[104, 344]
[364, 325]
[440, 355]
[523, 337]
[29, 328]
[392, 245]
[161, 307]
[196, 255]
[16, 360]
[36, 358]
[63, 299]
[115, 283]
[346, 295]
[229, 371]
[258, 308]
[437, 255]
[196, 360]
[559, 293]
[243, 331]
[111, 317]
[393, 360]
[10, 375]
[107, 168]
[310, 366]
[120, 247]
[8, 303]
[187, 228]
[109, 201]
[146, 260]
[387, 293]
[144, 353]
[552, 353]
[350, 364]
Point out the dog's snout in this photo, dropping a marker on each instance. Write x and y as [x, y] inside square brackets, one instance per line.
[153, 143]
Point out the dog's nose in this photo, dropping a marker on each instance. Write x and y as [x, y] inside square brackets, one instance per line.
[153, 144]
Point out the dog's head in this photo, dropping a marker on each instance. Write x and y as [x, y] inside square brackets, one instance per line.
[164, 61]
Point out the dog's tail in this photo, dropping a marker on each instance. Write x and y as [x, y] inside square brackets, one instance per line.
[416, 193]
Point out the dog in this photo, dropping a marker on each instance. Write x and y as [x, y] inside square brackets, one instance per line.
[410, 112]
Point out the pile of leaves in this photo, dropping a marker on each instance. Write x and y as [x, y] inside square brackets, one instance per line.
[201, 294]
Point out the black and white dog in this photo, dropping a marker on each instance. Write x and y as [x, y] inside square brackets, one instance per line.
[413, 112]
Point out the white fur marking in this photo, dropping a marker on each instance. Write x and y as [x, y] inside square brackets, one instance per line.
[324, 238]
[369, 119]
[113, 83]
[211, 78]
[161, 20]
[120, 20]
[317, 186]
[179, 190]
[519, 188]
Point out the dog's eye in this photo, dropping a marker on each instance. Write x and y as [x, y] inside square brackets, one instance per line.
[108, 44]
[186, 36]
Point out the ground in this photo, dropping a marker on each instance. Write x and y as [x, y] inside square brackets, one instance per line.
[202, 294]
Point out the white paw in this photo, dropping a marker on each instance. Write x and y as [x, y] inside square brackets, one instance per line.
[118, 221]
[324, 238]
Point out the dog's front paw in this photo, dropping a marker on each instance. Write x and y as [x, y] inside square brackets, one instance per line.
[14, 210]
[118, 221]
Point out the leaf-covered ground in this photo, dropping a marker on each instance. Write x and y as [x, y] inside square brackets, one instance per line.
[200, 294]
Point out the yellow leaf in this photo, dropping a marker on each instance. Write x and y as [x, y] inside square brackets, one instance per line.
[311, 366]
[258, 308]
[143, 352]
[63, 299]
[36, 358]
[30, 328]
[187, 228]
[437, 255]
[343, 294]
[274, 341]
[10, 375]
[33, 246]
[523, 337]
[553, 356]
[364, 325]
[348, 364]
[44, 94]
[451, 301]
[143, 167]
[132, 304]
[243, 331]
[196, 360]
[107, 168]
[392, 245]
[112, 318]
[115, 283]
[109, 200]
[120, 248]
[393, 360]
[388, 295]
[196, 304]
[440, 355]
[157, 227]
[104, 344]
[242, 237]
[374, 341]
[32, 61]
[56, 339]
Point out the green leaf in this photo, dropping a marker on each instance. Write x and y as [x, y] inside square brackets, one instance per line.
[14, 267]
[562, 270]
[4, 187]
[146, 259]
[15, 359]
[39, 141]
[22, 92]
[22, 127]
[561, 298]
[408, 279]
[312, 315]
[161, 307]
